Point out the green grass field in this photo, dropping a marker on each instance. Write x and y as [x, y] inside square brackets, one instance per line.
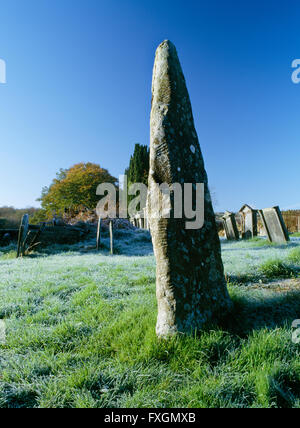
[81, 331]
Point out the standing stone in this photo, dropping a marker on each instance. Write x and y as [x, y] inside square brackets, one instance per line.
[190, 285]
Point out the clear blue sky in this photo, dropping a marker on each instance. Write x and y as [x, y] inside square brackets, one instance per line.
[79, 89]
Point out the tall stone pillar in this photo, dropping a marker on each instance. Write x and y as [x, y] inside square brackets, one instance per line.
[190, 284]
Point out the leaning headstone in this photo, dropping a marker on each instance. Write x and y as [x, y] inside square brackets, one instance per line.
[230, 227]
[274, 225]
[190, 285]
[249, 222]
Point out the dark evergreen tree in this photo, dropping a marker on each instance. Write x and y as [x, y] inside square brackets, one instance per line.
[138, 169]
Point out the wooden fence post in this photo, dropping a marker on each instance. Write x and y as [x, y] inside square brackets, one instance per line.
[111, 234]
[99, 234]
[23, 231]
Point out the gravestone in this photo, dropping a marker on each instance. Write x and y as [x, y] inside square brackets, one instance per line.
[230, 227]
[140, 221]
[190, 285]
[146, 226]
[249, 222]
[274, 225]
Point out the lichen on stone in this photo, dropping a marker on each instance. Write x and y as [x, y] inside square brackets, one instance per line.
[191, 288]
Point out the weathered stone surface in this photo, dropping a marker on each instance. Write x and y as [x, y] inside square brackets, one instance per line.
[191, 289]
[230, 227]
[274, 225]
[249, 217]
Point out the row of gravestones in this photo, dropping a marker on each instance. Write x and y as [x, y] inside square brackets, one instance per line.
[140, 220]
[271, 218]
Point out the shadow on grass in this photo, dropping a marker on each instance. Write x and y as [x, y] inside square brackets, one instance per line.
[289, 245]
[284, 388]
[127, 243]
[255, 313]
[19, 397]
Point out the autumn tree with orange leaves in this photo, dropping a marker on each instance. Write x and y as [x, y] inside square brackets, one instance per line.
[73, 190]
